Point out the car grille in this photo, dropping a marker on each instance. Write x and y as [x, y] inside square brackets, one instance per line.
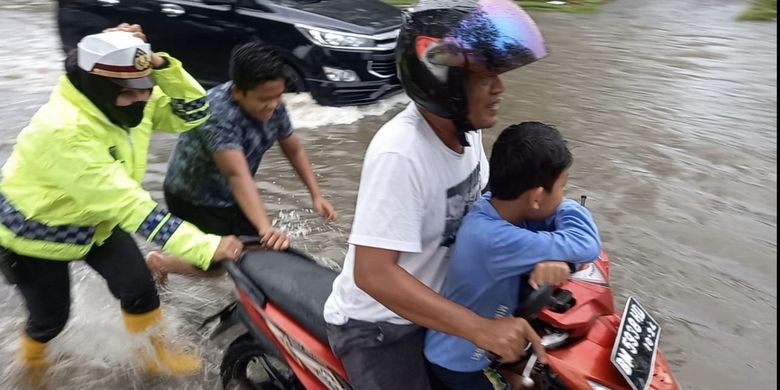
[387, 40]
[367, 94]
[382, 65]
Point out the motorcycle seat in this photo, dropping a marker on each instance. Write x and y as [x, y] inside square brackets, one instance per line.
[293, 282]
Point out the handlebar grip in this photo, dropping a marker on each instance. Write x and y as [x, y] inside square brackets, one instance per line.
[495, 360]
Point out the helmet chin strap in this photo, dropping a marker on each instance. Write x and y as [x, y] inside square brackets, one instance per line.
[462, 123]
[463, 126]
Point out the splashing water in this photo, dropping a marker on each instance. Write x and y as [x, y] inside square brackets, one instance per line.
[298, 229]
[96, 352]
[305, 113]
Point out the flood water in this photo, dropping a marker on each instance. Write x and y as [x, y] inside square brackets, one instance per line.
[670, 110]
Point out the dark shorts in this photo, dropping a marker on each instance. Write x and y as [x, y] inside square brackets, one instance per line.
[381, 355]
[487, 379]
[221, 221]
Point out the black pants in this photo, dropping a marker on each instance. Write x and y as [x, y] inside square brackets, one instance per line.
[221, 221]
[45, 284]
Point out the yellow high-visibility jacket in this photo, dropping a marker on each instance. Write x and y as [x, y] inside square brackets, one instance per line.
[74, 176]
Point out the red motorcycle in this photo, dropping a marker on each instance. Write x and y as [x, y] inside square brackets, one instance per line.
[280, 300]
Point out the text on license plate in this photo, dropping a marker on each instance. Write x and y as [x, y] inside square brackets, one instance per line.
[636, 345]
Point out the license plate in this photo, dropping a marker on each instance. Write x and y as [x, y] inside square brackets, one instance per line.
[636, 345]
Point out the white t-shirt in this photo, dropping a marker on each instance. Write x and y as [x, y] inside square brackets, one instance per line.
[414, 192]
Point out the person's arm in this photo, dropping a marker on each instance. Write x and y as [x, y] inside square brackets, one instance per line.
[100, 185]
[233, 165]
[179, 101]
[293, 150]
[573, 238]
[378, 273]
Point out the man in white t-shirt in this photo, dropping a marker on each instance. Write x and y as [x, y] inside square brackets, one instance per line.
[421, 172]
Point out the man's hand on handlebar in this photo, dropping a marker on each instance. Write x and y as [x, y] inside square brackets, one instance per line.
[508, 337]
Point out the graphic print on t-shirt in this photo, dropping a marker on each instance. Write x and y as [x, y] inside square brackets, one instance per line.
[459, 200]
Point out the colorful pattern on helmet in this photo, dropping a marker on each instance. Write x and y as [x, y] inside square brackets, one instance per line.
[499, 35]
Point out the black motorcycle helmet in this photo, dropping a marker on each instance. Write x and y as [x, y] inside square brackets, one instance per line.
[439, 39]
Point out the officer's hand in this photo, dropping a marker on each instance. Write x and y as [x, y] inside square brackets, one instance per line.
[229, 248]
[136, 29]
[138, 32]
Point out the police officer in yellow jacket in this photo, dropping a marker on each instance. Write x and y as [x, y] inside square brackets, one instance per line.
[72, 190]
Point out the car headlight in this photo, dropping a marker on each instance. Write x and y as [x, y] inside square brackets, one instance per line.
[335, 39]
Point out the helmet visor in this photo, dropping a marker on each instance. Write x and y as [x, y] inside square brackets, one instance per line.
[497, 34]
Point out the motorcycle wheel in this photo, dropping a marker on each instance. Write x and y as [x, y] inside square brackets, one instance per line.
[249, 365]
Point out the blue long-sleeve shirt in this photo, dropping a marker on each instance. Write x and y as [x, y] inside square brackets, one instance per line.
[489, 255]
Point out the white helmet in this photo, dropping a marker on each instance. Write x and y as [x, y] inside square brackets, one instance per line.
[117, 55]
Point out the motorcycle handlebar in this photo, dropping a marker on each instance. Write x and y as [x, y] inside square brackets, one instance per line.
[535, 301]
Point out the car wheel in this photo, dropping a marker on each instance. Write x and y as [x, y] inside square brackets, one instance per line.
[294, 81]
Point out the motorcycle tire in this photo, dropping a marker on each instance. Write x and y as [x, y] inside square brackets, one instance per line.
[238, 369]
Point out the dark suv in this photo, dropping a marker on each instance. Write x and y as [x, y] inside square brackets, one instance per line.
[342, 51]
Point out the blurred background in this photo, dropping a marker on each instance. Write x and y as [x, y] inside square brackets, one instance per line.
[670, 110]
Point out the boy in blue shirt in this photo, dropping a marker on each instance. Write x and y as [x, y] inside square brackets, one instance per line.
[524, 225]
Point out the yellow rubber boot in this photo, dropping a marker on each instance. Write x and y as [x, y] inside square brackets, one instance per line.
[32, 356]
[160, 360]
